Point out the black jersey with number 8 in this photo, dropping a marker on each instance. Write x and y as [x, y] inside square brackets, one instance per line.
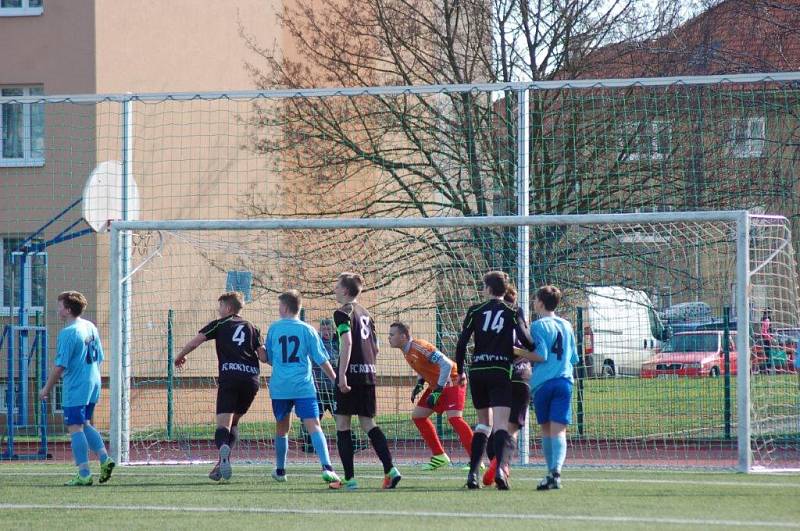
[356, 319]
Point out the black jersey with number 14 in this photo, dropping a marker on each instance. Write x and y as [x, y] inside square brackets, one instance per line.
[236, 341]
[495, 326]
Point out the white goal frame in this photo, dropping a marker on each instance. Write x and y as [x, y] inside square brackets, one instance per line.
[120, 290]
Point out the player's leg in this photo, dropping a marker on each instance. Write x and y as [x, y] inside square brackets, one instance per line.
[454, 399]
[367, 409]
[75, 418]
[541, 403]
[560, 417]
[97, 446]
[520, 400]
[309, 413]
[480, 399]
[282, 409]
[346, 407]
[421, 418]
[500, 400]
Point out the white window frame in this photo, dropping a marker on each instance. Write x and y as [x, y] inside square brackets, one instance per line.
[752, 144]
[25, 11]
[5, 310]
[3, 402]
[27, 159]
[635, 129]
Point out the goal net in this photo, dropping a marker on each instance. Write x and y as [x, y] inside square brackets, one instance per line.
[654, 297]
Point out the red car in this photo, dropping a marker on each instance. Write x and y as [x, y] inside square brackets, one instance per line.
[691, 354]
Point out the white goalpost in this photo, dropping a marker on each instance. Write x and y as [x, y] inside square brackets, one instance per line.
[746, 262]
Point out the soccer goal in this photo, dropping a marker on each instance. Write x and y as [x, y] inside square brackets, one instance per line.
[716, 390]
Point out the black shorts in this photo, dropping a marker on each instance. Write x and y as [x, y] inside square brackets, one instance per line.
[490, 388]
[359, 401]
[520, 402]
[236, 396]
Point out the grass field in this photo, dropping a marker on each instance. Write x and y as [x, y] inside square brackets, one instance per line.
[613, 409]
[172, 497]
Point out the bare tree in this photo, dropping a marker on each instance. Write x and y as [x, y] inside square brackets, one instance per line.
[592, 150]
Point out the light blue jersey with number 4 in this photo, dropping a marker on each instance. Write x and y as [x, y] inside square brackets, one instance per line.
[555, 342]
[79, 351]
[291, 346]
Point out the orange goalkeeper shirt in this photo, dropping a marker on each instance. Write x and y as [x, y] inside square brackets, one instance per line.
[421, 355]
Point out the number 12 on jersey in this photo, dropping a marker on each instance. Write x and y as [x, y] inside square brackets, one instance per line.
[289, 343]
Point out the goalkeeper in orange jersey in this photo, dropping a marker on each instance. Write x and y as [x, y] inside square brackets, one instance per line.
[443, 395]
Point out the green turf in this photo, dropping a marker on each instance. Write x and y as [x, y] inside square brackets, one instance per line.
[589, 500]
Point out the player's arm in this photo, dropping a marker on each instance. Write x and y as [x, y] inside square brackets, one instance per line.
[445, 368]
[417, 389]
[528, 354]
[261, 352]
[320, 356]
[193, 343]
[52, 380]
[345, 348]
[342, 321]
[523, 335]
[463, 340]
[327, 368]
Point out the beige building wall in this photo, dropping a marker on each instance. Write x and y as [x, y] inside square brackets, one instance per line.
[54, 51]
[189, 159]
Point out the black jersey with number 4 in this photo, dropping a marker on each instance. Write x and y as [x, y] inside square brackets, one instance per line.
[236, 340]
[495, 326]
[355, 318]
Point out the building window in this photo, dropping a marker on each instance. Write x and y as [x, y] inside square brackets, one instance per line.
[646, 140]
[35, 278]
[21, 8]
[747, 137]
[22, 128]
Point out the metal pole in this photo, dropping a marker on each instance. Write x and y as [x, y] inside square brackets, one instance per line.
[581, 369]
[10, 395]
[115, 373]
[42, 404]
[523, 237]
[125, 255]
[170, 372]
[743, 342]
[726, 351]
[22, 346]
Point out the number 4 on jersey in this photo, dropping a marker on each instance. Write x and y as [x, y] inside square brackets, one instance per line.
[558, 346]
[238, 335]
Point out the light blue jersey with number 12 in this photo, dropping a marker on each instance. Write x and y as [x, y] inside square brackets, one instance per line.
[555, 342]
[291, 346]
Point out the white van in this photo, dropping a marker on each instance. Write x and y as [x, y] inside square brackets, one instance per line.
[621, 330]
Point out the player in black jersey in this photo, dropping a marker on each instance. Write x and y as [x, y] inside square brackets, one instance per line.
[520, 396]
[238, 344]
[494, 327]
[355, 392]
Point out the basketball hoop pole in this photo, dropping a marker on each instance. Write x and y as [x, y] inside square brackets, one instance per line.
[18, 347]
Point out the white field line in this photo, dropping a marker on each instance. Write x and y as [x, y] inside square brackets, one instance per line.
[155, 473]
[409, 514]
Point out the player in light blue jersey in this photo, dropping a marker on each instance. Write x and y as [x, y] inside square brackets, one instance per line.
[291, 346]
[554, 357]
[78, 358]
